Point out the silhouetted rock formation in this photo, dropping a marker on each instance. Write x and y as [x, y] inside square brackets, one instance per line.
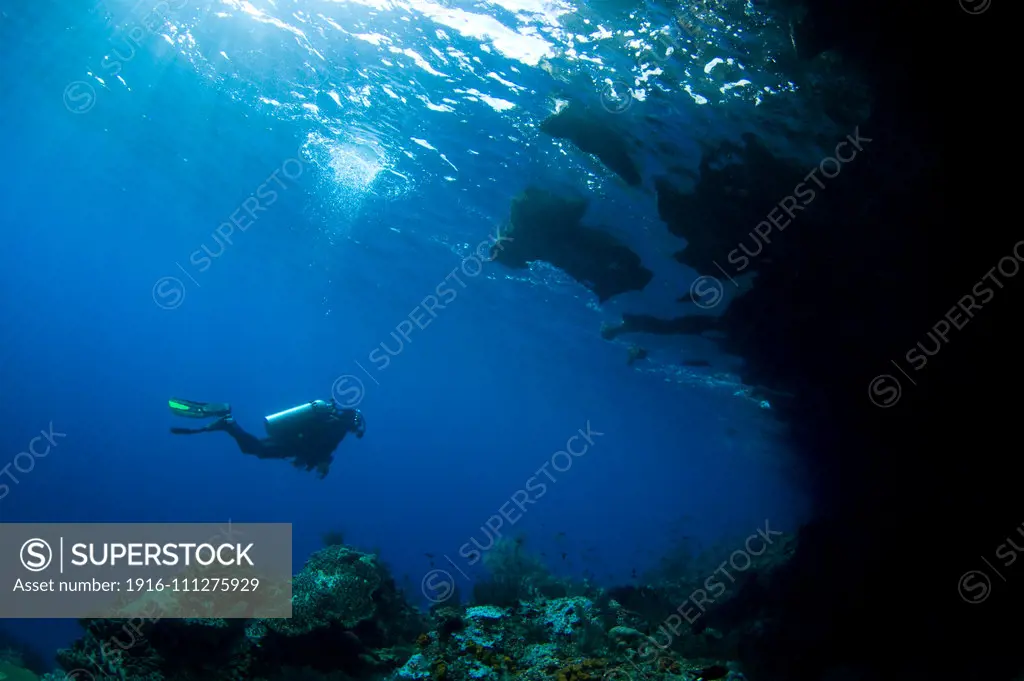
[547, 227]
[742, 203]
[592, 132]
[890, 248]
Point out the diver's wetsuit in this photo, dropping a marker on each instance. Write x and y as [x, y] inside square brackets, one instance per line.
[263, 448]
[311, 448]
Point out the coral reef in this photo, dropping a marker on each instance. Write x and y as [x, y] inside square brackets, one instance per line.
[337, 586]
[563, 639]
[351, 623]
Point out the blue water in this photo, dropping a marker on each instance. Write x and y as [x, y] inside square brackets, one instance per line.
[127, 148]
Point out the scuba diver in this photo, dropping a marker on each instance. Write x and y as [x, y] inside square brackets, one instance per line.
[308, 433]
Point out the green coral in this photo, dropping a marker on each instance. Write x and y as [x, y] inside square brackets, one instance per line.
[336, 586]
[113, 648]
[349, 621]
[150, 650]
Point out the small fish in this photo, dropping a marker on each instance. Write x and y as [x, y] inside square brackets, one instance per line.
[429, 555]
[563, 555]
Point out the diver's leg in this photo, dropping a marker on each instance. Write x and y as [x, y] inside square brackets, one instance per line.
[189, 431]
[247, 442]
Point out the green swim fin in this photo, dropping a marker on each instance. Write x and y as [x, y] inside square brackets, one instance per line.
[198, 410]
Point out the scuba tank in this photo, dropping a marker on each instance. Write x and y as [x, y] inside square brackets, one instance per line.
[290, 422]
